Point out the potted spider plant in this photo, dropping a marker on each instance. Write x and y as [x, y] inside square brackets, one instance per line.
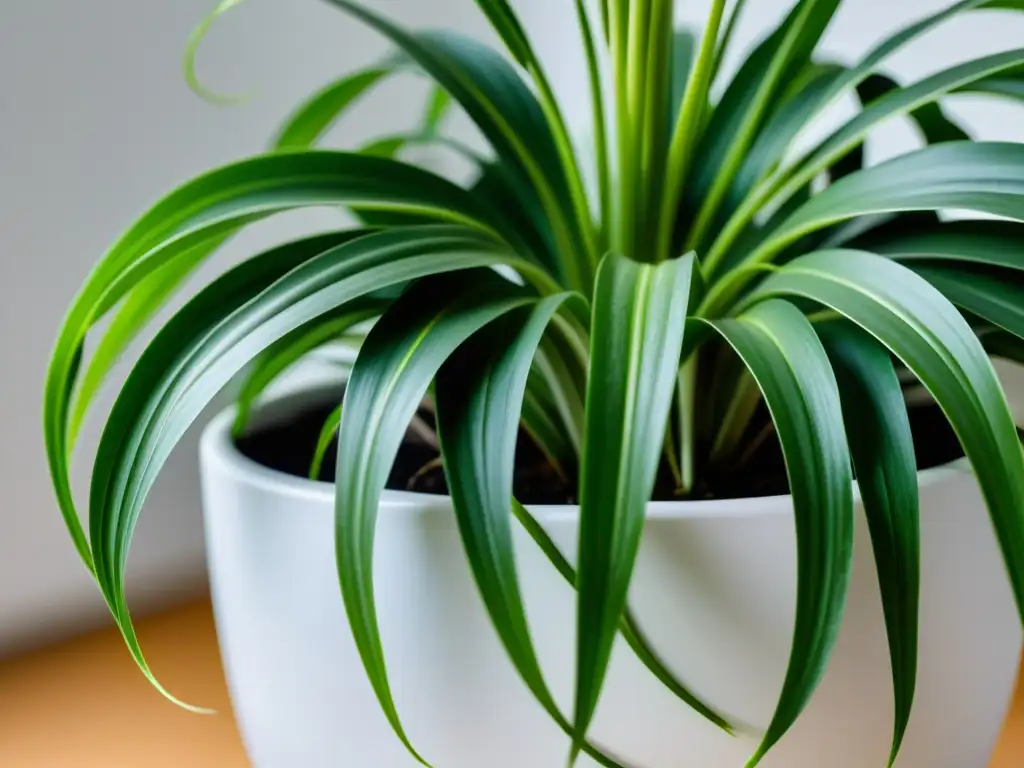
[688, 450]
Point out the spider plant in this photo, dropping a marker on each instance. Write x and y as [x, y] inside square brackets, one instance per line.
[726, 283]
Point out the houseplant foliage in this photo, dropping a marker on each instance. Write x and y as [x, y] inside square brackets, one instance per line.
[717, 285]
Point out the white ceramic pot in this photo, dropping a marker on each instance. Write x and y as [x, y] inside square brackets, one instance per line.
[714, 589]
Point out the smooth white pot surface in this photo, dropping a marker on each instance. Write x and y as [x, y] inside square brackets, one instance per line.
[714, 590]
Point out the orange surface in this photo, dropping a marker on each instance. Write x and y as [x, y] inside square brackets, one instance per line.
[84, 705]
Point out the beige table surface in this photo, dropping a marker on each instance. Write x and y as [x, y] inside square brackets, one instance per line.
[83, 704]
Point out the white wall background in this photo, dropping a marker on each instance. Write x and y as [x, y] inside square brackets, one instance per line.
[96, 122]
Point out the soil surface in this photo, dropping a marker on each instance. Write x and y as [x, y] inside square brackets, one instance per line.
[288, 447]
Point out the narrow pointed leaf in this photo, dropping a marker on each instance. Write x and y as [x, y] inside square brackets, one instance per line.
[744, 107]
[198, 216]
[985, 243]
[296, 345]
[478, 397]
[328, 434]
[504, 109]
[211, 339]
[922, 328]
[782, 352]
[629, 627]
[312, 119]
[994, 297]
[882, 448]
[396, 365]
[985, 177]
[639, 316]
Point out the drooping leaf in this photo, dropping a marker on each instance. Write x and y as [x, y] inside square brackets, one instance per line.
[629, 627]
[639, 315]
[998, 298]
[933, 122]
[979, 176]
[144, 301]
[212, 338]
[782, 352]
[795, 175]
[290, 349]
[198, 216]
[986, 243]
[920, 326]
[396, 364]
[478, 397]
[882, 448]
[308, 123]
[504, 109]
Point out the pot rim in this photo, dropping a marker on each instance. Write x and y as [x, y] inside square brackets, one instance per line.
[218, 450]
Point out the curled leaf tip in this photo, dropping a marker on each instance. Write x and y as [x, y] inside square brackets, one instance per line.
[191, 50]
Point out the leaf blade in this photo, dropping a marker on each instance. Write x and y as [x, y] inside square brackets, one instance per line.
[633, 361]
[919, 325]
[782, 352]
[882, 449]
[396, 364]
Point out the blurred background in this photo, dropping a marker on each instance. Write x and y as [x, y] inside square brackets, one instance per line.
[96, 122]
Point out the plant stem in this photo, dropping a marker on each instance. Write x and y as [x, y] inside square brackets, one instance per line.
[680, 153]
[654, 145]
[604, 176]
[748, 130]
[723, 44]
[687, 389]
[636, 105]
[574, 180]
[624, 218]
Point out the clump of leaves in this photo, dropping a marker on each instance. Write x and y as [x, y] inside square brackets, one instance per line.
[720, 282]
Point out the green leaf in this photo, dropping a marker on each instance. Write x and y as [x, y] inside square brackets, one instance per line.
[882, 448]
[995, 297]
[504, 109]
[328, 433]
[197, 217]
[774, 138]
[629, 628]
[144, 301]
[921, 327]
[910, 98]
[439, 105]
[783, 353]
[396, 364]
[980, 176]
[744, 108]
[478, 399]
[195, 38]
[509, 29]
[985, 177]
[286, 352]
[542, 422]
[795, 175]
[311, 120]
[213, 337]
[303, 129]
[986, 243]
[478, 396]
[114, 502]
[684, 50]
[639, 315]
[725, 39]
[935, 125]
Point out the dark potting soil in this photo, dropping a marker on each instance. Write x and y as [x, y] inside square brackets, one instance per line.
[288, 447]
